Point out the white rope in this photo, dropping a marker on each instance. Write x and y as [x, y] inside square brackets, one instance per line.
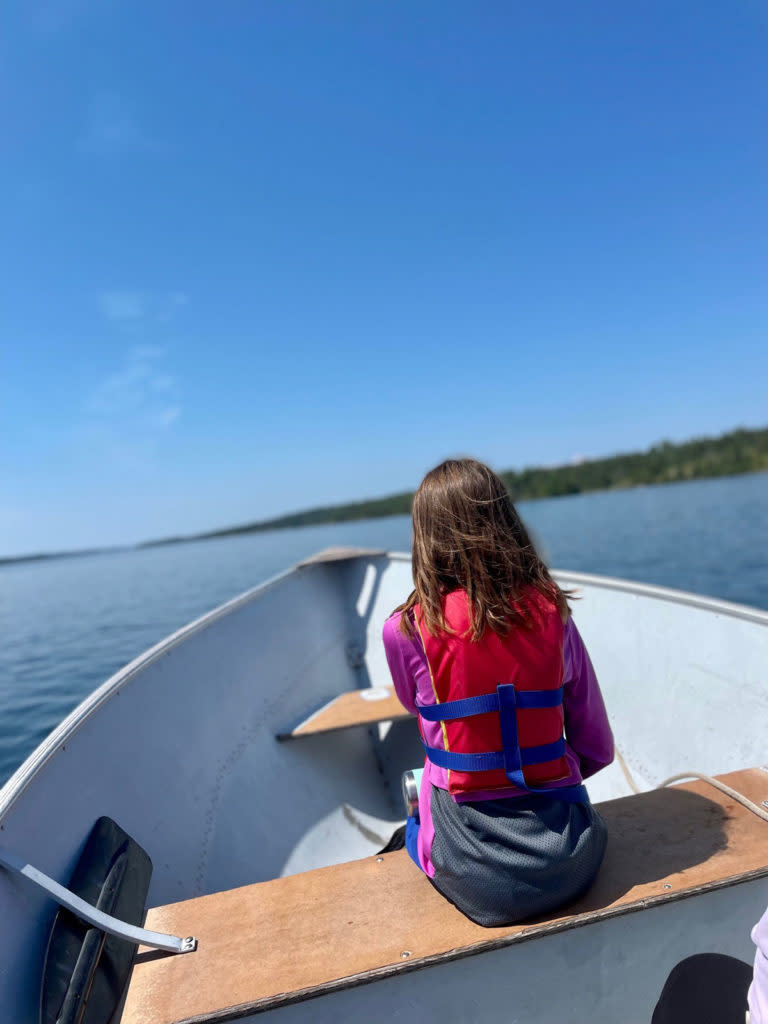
[732, 793]
[761, 812]
[626, 772]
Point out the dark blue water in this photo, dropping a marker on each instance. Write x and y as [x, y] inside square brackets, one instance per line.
[67, 625]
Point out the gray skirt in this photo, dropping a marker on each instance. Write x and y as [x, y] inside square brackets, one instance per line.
[501, 861]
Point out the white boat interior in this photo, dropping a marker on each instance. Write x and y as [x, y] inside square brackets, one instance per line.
[257, 752]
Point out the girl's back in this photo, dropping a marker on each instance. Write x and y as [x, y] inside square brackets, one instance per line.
[485, 653]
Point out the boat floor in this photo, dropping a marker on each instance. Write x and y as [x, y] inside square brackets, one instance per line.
[282, 941]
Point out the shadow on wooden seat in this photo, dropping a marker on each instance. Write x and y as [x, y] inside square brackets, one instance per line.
[656, 836]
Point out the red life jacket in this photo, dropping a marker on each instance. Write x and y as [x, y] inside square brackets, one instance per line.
[499, 699]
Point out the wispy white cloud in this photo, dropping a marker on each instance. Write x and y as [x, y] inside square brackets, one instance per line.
[147, 352]
[169, 305]
[127, 304]
[123, 305]
[138, 397]
[165, 417]
[162, 384]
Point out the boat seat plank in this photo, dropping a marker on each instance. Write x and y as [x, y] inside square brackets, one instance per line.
[358, 707]
[293, 938]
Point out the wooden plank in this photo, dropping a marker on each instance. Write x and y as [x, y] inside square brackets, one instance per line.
[281, 941]
[358, 707]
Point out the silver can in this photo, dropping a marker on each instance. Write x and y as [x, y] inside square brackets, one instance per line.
[411, 782]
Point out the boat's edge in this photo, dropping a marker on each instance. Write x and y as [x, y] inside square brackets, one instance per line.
[712, 604]
[342, 554]
[16, 784]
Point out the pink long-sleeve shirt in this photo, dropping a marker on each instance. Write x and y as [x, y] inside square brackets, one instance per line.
[588, 737]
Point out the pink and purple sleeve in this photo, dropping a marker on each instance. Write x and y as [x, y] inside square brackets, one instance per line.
[587, 730]
[405, 658]
[410, 675]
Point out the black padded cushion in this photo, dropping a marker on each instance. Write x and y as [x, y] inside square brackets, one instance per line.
[86, 972]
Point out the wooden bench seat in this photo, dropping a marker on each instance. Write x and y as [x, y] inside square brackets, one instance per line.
[358, 707]
[278, 942]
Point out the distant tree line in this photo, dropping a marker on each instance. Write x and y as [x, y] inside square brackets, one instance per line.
[741, 451]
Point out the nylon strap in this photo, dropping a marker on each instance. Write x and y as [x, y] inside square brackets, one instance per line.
[510, 744]
[486, 702]
[493, 759]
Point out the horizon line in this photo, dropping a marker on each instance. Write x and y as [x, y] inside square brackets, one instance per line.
[285, 520]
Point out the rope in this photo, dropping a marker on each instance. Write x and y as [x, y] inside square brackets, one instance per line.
[761, 812]
[626, 772]
[732, 793]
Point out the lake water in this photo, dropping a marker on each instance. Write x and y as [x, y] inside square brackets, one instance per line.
[67, 625]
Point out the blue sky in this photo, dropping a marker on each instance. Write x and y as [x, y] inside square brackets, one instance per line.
[262, 256]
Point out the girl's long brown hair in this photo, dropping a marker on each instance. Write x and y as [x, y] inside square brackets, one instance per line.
[467, 535]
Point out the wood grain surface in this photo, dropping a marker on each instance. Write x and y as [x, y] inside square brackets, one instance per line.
[350, 709]
[276, 942]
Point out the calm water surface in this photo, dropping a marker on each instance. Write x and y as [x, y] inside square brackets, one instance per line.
[67, 625]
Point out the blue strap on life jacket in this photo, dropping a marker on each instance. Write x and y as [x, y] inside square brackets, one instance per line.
[494, 759]
[510, 759]
[489, 702]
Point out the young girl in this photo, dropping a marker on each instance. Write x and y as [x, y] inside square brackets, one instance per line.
[485, 652]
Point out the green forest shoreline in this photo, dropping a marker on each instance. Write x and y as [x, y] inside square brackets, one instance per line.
[735, 453]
